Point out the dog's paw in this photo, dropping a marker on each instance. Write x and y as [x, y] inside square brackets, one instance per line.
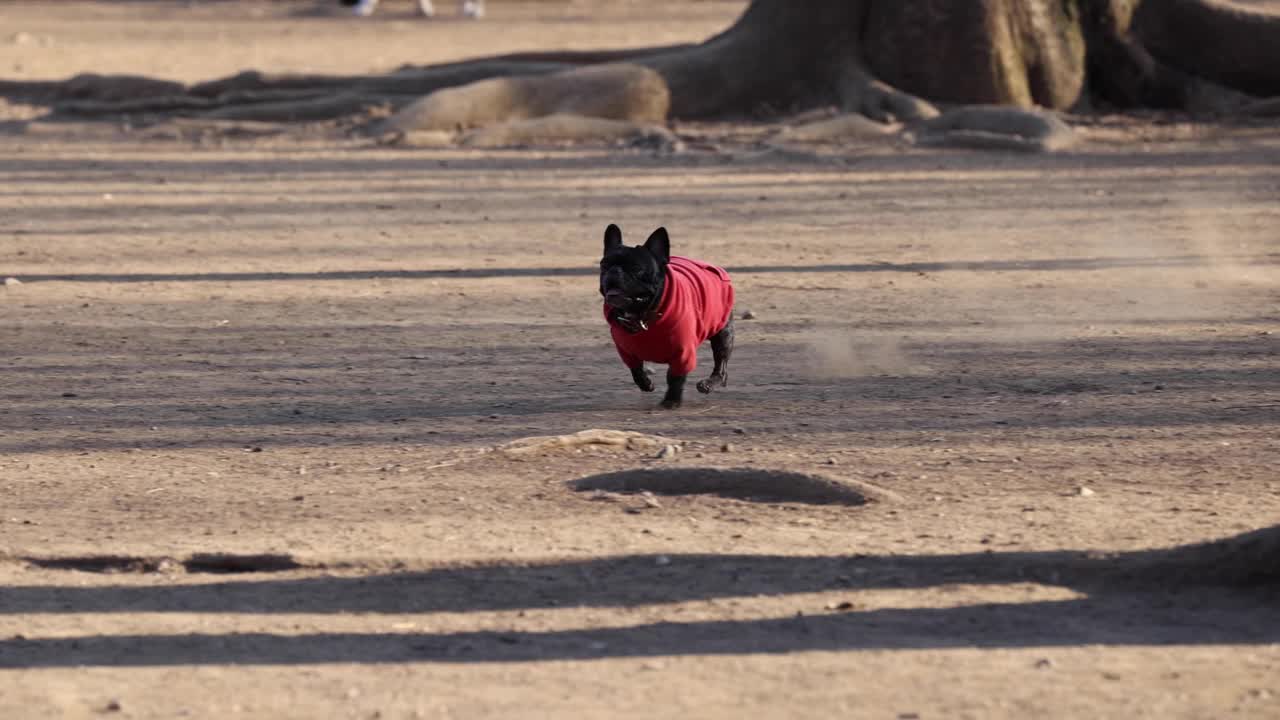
[641, 377]
[711, 383]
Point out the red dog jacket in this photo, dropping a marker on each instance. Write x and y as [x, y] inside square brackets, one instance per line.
[696, 304]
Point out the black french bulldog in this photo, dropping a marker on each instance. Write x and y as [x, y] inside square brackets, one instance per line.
[660, 308]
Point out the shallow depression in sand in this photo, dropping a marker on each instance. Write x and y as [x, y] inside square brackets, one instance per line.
[754, 484]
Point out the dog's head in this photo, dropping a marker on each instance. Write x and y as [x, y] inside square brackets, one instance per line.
[632, 278]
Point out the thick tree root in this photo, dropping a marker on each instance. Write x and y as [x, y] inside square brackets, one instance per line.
[850, 127]
[1260, 108]
[860, 92]
[90, 86]
[615, 92]
[996, 128]
[316, 109]
[552, 130]
[572, 129]
[277, 98]
[578, 58]
[406, 81]
[181, 104]
[977, 127]
[194, 128]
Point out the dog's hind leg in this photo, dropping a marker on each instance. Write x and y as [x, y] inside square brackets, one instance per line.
[721, 349]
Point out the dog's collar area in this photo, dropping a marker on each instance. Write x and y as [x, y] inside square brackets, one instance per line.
[638, 322]
[635, 324]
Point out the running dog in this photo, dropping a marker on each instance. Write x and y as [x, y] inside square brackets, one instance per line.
[660, 308]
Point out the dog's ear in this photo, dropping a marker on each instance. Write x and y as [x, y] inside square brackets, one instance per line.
[612, 238]
[659, 245]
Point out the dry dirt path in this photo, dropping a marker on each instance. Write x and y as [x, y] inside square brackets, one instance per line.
[291, 348]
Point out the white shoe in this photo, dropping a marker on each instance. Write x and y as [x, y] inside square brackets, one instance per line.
[473, 9]
[365, 8]
[426, 9]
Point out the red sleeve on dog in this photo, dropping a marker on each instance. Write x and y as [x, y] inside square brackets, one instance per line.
[696, 304]
[685, 360]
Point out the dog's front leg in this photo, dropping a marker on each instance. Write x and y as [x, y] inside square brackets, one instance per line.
[675, 391]
[642, 379]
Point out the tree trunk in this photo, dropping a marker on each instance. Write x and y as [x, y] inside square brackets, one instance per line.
[773, 58]
[1049, 53]
[886, 59]
[1001, 52]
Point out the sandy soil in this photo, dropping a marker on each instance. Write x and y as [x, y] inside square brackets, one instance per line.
[301, 348]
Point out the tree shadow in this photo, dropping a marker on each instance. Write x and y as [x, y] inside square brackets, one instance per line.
[409, 165]
[1144, 598]
[1047, 264]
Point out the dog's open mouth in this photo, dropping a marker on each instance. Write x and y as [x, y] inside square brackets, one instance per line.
[616, 298]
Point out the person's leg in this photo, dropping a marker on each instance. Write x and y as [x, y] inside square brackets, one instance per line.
[363, 8]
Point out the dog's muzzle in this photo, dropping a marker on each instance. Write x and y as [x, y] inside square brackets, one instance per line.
[616, 298]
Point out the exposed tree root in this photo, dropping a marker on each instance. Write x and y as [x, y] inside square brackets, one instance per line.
[996, 128]
[317, 96]
[181, 105]
[90, 86]
[980, 127]
[617, 92]
[186, 128]
[575, 129]
[406, 81]
[849, 127]
[1260, 108]
[552, 130]
[420, 139]
[575, 57]
[860, 92]
[314, 109]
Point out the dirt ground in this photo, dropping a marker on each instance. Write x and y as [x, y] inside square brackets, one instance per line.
[307, 349]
